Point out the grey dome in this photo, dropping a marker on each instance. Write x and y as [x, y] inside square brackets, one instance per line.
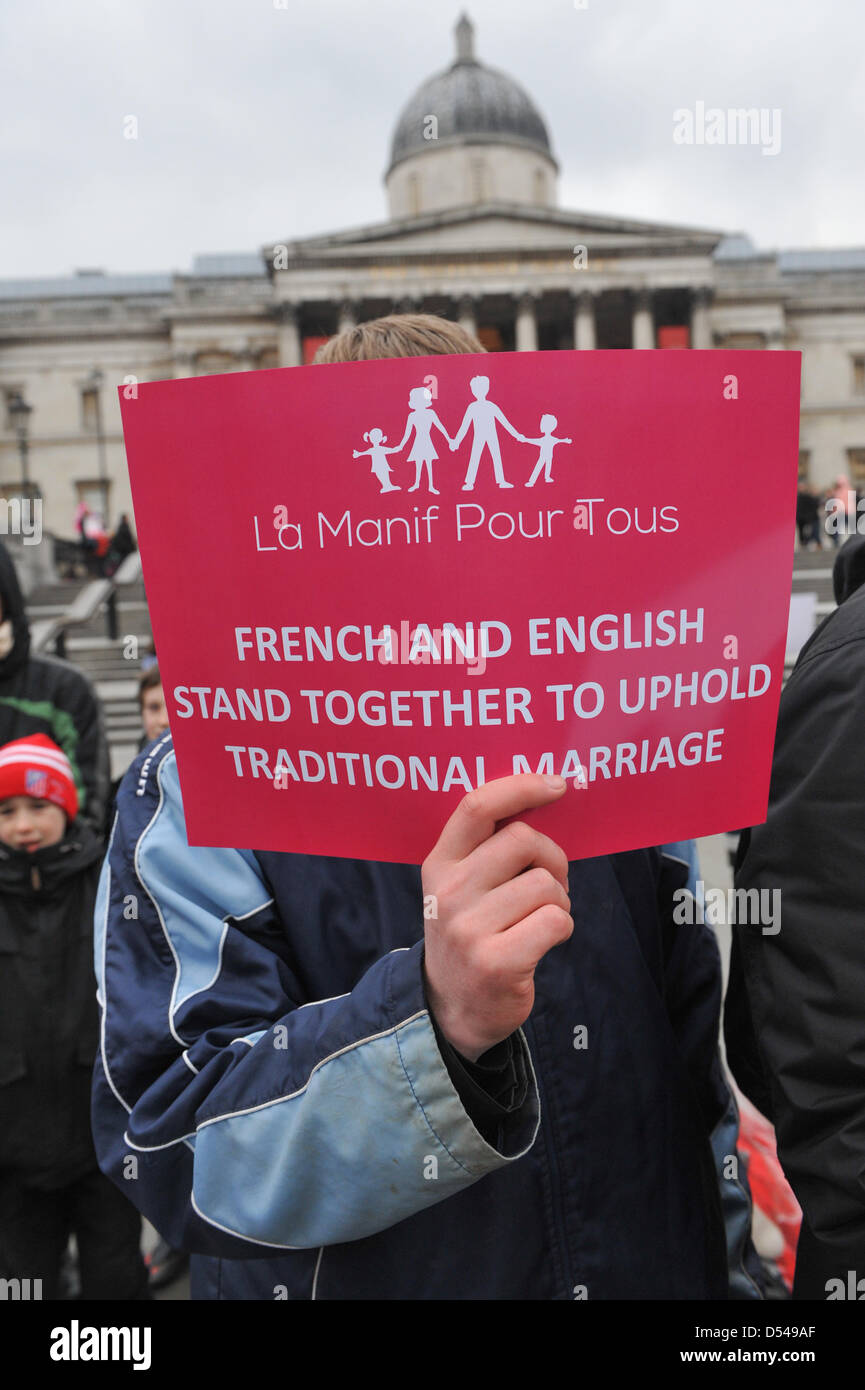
[472, 102]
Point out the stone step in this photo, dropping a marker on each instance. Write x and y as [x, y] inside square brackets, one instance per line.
[96, 644]
[37, 611]
[64, 594]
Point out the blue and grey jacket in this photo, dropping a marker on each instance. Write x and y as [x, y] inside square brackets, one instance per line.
[271, 1094]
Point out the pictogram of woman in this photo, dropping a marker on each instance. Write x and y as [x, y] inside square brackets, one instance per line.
[421, 419]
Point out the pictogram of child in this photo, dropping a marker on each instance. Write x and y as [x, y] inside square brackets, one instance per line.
[547, 442]
[379, 465]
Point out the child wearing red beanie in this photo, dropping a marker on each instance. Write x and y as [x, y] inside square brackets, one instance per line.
[37, 793]
[50, 1183]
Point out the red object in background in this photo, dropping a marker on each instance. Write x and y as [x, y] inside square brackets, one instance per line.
[491, 338]
[674, 336]
[311, 347]
[770, 1190]
[293, 531]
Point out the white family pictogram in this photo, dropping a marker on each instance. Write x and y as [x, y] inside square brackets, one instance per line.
[378, 453]
[482, 417]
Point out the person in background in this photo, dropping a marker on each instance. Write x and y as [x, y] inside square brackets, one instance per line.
[164, 1264]
[43, 695]
[122, 543]
[839, 511]
[81, 514]
[96, 543]
[151, 698]
[808, 517]
[796, 998]
[50, 1183]
[154, 721]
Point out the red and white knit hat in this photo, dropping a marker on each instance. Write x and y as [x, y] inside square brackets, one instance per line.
[36, 767]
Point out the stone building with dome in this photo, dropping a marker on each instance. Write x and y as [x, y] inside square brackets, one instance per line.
[474, 233]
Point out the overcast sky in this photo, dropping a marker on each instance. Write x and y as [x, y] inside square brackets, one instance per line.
[258, 124]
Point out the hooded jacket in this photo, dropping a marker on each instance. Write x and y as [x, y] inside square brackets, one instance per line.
[796, 1000]
[271, 1073]
[42, 695]
[49, 1019]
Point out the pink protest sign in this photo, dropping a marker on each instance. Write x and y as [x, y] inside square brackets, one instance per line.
[375, 585]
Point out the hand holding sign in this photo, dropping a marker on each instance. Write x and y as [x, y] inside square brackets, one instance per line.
[495, 921]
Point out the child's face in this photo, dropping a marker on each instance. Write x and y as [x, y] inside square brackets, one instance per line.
[30, 824]
[154, 715]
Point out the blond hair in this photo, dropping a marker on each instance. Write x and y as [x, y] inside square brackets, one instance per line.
[398, 335]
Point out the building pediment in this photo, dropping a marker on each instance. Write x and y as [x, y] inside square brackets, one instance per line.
[490, 229]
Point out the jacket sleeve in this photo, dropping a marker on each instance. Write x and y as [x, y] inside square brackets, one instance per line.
[801, 947]
[238, 1116]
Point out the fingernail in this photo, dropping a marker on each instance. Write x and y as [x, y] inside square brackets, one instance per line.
[558, 784]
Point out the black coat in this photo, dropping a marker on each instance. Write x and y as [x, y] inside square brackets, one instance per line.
[41, 695]
[795, 1011]
[49, 1020]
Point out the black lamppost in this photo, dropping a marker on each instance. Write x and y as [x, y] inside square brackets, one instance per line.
[95, 383]
[20, 413]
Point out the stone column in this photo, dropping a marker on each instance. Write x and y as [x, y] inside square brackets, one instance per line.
[405, 305]
[527, 324]
[642, 324]
[184, 364]
[585, 335]
[347, 318]
[701, 330]
[290, 346]
[775, 340]
[466, 314]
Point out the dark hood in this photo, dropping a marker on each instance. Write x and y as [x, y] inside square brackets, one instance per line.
[849, 569]
[13, 608]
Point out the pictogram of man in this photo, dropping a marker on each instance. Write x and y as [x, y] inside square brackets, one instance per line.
[483, 416]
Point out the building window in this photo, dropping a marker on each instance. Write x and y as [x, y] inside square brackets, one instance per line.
[859, 376]
[856, 466]
[90, 492]
[89, 409]
[804, 465]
